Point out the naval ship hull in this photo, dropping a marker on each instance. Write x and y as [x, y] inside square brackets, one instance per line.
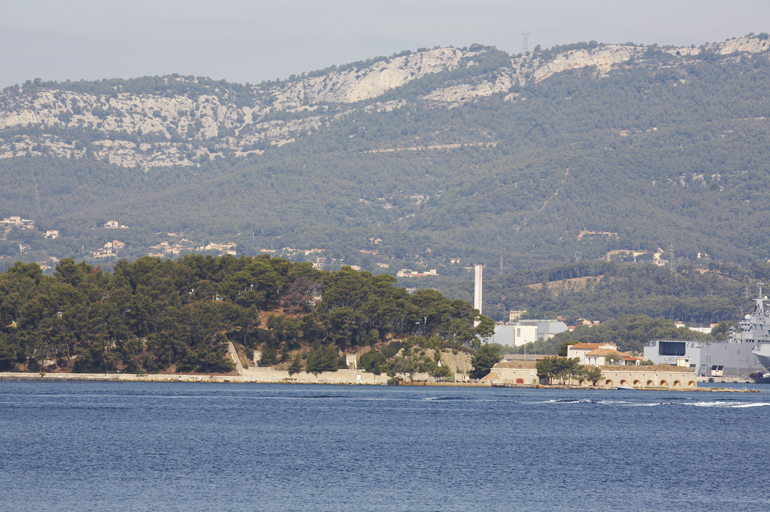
[762, 353]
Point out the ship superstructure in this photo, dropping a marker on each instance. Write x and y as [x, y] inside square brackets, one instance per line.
[756, 328]
[746, 351]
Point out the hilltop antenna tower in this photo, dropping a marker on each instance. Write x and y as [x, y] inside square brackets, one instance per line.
[526, 45]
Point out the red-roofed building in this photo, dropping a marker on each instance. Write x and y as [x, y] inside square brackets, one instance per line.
[631, 360]
[580, 350]
[599, 357]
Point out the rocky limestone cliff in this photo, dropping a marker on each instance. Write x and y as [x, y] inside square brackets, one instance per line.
[169, 126]
[360, 84]
[603, 58]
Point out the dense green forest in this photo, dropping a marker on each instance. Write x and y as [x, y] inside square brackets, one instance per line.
[151, 315]
[659, 150]
[603, 290]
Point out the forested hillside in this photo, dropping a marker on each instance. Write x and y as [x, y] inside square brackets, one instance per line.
[431, 159]
[603, 290]
[153, 316]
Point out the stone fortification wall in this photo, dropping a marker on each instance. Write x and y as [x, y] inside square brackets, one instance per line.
[521, 376]
[338, 377]
[663, 376]
[640, 377]
[259, 375]
[525, 373]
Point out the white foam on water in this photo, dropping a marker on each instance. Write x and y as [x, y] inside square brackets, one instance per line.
[730, 405]
[742, 406]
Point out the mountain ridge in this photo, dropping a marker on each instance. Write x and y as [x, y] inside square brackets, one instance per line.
[174, 129]
[448, 156]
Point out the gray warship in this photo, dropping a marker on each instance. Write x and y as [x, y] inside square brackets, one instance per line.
[746, 351]
[756, 327]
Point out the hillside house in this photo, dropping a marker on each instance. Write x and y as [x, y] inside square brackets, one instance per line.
[15, 220]
[167, 248]
[407, 272]
[219, 247]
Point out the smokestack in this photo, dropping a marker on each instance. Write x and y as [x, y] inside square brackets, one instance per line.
[477, 288]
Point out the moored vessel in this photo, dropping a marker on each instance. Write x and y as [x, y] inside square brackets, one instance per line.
[746, 351]
[755, 328]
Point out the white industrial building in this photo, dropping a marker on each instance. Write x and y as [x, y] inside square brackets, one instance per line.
[527, 331]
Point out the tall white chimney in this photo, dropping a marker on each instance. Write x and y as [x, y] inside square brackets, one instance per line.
[477, 288]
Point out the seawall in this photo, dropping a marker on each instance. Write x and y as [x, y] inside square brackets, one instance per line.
[640, 377]
[262, 375]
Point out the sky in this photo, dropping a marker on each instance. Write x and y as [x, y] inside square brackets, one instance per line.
[249, 41]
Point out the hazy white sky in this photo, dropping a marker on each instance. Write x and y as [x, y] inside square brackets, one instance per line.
[251, 41]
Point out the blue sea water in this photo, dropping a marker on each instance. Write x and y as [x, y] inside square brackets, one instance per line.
[238, 447]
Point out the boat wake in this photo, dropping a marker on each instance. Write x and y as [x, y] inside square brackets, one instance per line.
[622, 403]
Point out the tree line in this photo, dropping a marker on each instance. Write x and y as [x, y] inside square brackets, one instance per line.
[152, 315]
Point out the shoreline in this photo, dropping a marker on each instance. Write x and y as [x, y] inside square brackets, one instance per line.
[244, 379]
